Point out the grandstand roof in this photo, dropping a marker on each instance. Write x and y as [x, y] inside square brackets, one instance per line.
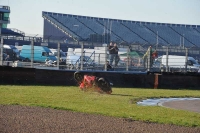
[11, 32]
[146, 33]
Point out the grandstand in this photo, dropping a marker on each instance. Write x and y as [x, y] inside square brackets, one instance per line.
[93, 29]
[70, 30]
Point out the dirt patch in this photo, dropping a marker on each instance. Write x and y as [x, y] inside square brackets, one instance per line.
[15, 119]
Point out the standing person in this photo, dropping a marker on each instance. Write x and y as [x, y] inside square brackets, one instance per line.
[154, 55]
[147, 59]
[116, 49]
[111, 52]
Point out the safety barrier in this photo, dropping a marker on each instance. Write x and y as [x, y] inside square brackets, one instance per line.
[32, 76]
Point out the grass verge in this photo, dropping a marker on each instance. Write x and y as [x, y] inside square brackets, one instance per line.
[121, 103]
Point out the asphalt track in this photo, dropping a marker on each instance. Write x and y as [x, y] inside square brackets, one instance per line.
[189, 105]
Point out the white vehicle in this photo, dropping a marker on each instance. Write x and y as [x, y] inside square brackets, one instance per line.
[176, 63]
[62, 54]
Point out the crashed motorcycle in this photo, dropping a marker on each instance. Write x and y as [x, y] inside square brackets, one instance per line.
[93, 83]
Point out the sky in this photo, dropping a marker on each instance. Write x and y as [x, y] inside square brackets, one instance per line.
[26, 15]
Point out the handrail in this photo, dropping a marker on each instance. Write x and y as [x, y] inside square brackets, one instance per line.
[18, 31]
[60, 26]
[91, 56]
[110, 30]
[79, 58]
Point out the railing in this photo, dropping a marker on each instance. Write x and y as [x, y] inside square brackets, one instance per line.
[132, 58]
[5, 7]
[5, 20]
[18, 31]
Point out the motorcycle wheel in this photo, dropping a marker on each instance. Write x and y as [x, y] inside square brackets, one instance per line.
[104, 85]
[78, 77]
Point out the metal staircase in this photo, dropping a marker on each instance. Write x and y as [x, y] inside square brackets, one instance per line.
[18, 31]
[61, 27]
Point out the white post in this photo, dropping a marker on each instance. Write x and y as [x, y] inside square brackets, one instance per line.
[1, 52]
[157, 41]
[183, 41]
[186, 59]
[167, 57]
[58, 55]
[149, 59]
[94, 58]
[110, 29]
[82, 47]
[105, 59]
[127, 63]
[32, 53]
[99, 59]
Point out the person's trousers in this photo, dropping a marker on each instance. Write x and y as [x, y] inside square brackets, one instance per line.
[111, 56]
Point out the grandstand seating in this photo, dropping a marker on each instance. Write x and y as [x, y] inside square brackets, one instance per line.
[126, 35]
[142, 31]
[74, 25]
[97, 27]
[189, 33]
[92, 24]
[198, 29]
[164, 32]
[131, 32]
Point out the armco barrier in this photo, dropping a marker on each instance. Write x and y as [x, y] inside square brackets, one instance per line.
[17, 75]
[31, 76]
[179, 80]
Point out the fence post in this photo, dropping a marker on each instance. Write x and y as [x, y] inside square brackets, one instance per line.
[156, 81]
[186, 59]
[127, 63]
[149, 59]
[94, 59]
[82, 47]
[32, 53]
[105, 58]
[1, 52]
[167, 58]
[58, 55]
[99, 59]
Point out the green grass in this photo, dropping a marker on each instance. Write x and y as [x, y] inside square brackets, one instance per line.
[121, 103]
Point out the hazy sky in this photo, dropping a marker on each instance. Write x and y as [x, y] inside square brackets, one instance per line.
[26, 15]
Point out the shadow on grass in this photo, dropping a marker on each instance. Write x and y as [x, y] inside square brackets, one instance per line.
[121, 95]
